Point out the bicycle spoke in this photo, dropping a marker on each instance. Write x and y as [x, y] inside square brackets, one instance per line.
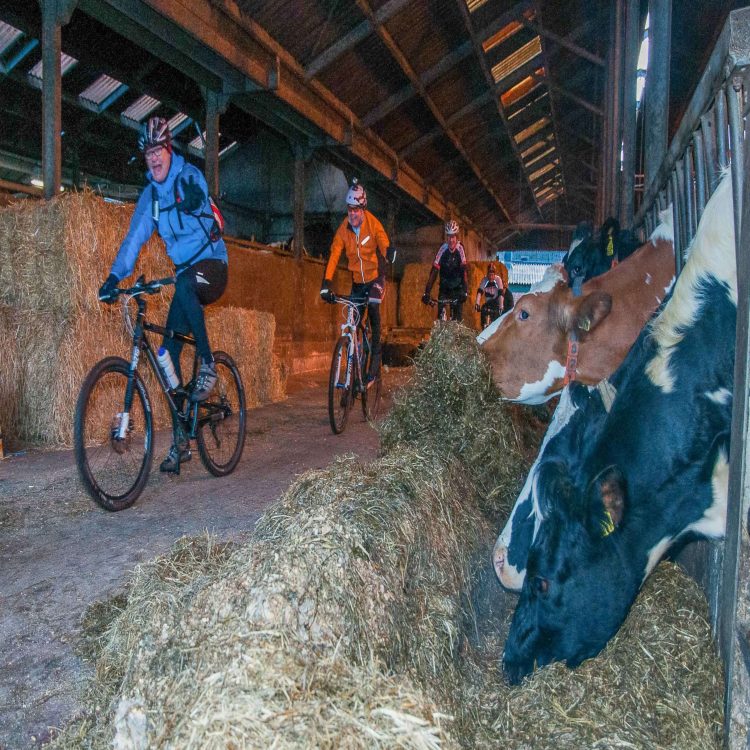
[221, 419]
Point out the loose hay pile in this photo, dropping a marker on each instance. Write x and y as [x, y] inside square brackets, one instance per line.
[346, 621]
[53, 257]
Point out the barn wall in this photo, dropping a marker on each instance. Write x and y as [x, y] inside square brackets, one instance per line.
[265, 279]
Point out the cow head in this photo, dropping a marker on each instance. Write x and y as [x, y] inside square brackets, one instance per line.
[579, 411]
[532, 339]
[577, 590]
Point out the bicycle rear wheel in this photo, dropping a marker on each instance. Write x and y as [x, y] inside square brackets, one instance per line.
[371, 395]
[340, 395]
[371, 400]
[113, 470]
[221, 419]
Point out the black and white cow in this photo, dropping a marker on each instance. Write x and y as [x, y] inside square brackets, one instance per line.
[580, 409]
[591, 256]
[618, 491]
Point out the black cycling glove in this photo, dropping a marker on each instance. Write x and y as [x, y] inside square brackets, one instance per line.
[192, 195]
[106, 289]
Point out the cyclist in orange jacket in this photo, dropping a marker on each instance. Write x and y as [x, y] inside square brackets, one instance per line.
[366, 246]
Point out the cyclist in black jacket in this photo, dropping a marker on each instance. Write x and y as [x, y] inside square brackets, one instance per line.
[498, 299]
[450, 262]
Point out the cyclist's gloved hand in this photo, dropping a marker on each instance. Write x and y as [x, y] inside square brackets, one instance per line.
[327, 295]
[477, 308]
[106, 289]
[426, 298]
[192, 195]
[390, 254]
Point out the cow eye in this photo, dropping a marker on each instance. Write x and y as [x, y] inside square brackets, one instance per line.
[523, 315]
[541, 585]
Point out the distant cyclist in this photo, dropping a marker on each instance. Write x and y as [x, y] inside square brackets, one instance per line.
[176, 205]
[450, 263]
[498, 298]
[365, 245]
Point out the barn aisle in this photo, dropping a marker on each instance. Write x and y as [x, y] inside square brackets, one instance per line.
[59, 552]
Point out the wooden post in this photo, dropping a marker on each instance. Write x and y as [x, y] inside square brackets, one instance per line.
[55, 13]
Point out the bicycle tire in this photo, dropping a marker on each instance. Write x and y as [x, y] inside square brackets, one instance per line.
[371, 395]
[371, 400]
[340, 398]
[221, 419]
[114, 472]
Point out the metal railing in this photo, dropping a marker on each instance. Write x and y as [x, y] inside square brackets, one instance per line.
[711, 138]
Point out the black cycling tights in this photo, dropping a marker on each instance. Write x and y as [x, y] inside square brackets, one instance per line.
[196, 286]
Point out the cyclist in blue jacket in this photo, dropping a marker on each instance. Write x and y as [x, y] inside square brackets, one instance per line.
[176, 204]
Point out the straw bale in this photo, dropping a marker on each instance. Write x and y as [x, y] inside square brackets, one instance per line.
[411, 312]
[54, 255]
[47, 361]
[11, 371]
[248, 337]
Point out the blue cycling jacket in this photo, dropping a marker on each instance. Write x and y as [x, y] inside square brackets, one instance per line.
[184, 234]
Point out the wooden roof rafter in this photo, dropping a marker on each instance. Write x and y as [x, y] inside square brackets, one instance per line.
[411, 74]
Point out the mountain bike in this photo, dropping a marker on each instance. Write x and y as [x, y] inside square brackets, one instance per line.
[114, 432]
[350, 363]
[446, 307]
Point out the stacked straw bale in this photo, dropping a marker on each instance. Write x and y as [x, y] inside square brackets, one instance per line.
[53, 257]
[347, 621]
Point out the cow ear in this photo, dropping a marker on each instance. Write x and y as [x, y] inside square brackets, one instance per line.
[589, 311]
[607, 501]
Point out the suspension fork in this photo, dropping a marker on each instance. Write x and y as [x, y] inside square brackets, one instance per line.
[122, 429]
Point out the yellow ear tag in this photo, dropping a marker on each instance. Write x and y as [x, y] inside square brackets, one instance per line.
[607, 524]
[585, 324]
[610, 246]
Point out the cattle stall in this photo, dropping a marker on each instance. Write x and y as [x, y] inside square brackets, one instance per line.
[710, 139]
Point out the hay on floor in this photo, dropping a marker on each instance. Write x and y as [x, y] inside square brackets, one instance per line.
[347, 619]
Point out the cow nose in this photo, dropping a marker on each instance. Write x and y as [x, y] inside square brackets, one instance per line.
[499, 556]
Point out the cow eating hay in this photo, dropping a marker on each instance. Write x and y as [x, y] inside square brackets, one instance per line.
[345, 620]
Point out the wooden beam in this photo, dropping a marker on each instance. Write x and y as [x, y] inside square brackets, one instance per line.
[580, 101]
[492, 86]
[351, 39]
[434, 109]
[407, 92]
[562, 41]
[17, 187]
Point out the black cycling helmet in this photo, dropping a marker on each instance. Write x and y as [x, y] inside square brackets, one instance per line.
[155, 132]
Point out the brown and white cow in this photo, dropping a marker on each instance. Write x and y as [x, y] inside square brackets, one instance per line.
[529, 346]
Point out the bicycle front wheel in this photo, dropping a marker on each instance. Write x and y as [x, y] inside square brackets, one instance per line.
[113, 466]
[340, 395]
[221, 419]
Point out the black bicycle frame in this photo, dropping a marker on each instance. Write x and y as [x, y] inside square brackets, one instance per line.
[141, 343]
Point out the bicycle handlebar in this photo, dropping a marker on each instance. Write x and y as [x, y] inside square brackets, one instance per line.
[348, 299]
[444, 301]
[143, 287]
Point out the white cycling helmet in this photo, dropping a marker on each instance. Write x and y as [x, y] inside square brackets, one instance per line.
[451, 227]
[356, 195]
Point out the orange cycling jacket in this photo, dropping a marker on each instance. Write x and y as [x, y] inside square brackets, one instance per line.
[365, 255]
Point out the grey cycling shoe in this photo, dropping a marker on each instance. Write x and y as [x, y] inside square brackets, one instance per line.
[205, 382]
[175, 457]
